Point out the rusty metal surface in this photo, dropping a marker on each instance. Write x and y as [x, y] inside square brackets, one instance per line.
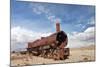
[43, 41]
[50, 40]
[52, 46]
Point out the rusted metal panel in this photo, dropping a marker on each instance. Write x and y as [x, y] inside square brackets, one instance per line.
[42, 42]
[52, 39]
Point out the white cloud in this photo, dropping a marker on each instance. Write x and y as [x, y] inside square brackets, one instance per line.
[41, 9]
[82, 39]
[91, 21]
[38, 9]
[21, 36]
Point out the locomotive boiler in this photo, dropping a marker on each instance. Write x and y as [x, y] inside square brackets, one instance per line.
[52, 46]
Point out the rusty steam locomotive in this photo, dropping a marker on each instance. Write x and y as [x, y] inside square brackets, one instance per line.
[52, 46]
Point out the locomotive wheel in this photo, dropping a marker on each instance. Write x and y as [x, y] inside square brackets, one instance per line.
[58, 54]
[55, 57]
[49, 55]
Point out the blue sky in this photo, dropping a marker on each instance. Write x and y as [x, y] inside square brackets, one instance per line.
[32, 20]
[72, 17]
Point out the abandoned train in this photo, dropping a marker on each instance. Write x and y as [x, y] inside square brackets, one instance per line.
[52, 46]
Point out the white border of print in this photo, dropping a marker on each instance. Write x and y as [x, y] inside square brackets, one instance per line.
[5, 37]
[84, 2]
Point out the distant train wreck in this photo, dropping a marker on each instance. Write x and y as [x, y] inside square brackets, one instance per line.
[52, 46]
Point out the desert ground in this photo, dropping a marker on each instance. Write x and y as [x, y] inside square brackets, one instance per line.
[84, 54]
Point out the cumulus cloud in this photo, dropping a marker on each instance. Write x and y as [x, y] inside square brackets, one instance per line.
[82, 39]
[21, 36]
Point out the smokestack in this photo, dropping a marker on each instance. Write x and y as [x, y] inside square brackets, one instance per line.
[57, 26]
